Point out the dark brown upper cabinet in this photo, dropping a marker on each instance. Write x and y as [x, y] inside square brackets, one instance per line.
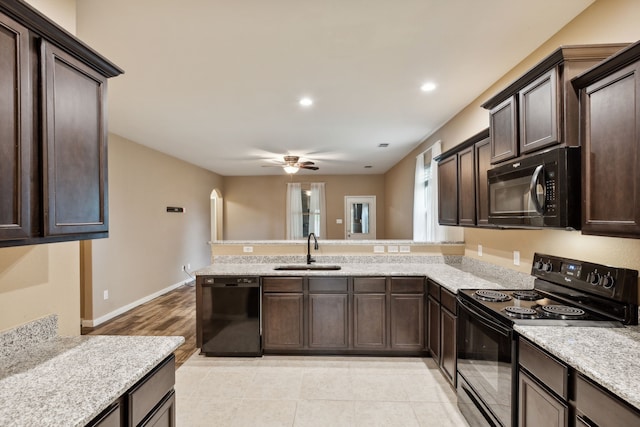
[610, 138]
[15, 131]
[462, 183]
[53, 136]
[540, 108]
[448, 191]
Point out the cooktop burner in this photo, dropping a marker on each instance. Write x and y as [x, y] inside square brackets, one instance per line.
[526, 295]
[493, 296]
[521, 312]
[562, 311]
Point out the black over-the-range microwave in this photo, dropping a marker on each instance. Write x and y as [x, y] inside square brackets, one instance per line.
[542, 190]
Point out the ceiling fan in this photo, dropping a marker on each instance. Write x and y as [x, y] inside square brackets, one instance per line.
[292, 164]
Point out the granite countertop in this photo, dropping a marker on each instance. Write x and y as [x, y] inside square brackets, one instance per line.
[68, 381]
[451, 276]
[608, 356]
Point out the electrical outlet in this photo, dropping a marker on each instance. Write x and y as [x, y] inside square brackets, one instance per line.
[247, 249]
[392, 249]
[405, 249]
[188, 266]
[339, 221]
[106, 295]
[479, 250]
[516, 257]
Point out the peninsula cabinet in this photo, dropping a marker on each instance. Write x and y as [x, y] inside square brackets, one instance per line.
[596, 407]
[370, 313]
[462, 183]
[328, 313]
[540, 109]
[343, 315]
[407, 313]
[282, 313]
[610, 138]
[53, 136]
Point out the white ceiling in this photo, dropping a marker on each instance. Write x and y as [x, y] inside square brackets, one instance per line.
[216, 83]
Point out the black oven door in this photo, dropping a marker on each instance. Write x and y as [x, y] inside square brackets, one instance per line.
[486, 360]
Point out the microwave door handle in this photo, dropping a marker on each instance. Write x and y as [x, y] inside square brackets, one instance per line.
[532, 189]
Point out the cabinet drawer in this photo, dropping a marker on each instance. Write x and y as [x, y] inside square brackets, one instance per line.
[448, 301]
[368, 285]
[548, 370]
[282, 284]
[328, 284]
[601, 407]
[434, 290]
[146, 395]
[407, 285]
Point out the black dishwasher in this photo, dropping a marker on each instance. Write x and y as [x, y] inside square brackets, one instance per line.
[231, 316]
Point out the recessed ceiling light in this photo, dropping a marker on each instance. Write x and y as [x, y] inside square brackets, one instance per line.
[428, 87]
[368, 167]
[306, 101]
[383, 145]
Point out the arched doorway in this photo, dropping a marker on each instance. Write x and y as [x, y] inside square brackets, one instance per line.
[216, 215]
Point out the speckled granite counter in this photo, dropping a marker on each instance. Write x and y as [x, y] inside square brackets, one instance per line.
[460, 275]
[608, 356]
[68, 381]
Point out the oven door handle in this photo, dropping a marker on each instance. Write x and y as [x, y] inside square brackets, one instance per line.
[484, 320]
[537, 204]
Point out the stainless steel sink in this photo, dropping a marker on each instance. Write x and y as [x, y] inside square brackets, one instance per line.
[314, 267]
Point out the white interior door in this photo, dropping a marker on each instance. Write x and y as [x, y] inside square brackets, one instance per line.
[360, 214]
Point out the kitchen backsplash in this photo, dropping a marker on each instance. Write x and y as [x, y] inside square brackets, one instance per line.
[25, 336]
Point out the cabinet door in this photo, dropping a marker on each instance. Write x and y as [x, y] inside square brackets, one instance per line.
[164, 415]
[448, 342]
[538, 407]
[448, 191]
[369, 321]
[328, 321]
[16, 114]
[483, 163]
[610, 153]
[407, 322]
[539, 113]
[282, 321]
[503, 127]
[466, 187]
[434, 328]
[75, 146]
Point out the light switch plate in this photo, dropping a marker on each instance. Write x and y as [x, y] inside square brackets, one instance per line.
[378, 249]
[339, 221]
[405, 249]
[106, 295]
[392, 248]
[479, 250]
[516, 257]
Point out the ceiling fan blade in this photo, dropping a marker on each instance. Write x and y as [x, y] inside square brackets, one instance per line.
[313, 168]
[307, 163]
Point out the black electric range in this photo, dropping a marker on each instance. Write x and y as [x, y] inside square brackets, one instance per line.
[566, 292]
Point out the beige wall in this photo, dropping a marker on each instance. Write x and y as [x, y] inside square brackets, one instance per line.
[606, 21]
[36, 281]
[254, 206]
[147, 246]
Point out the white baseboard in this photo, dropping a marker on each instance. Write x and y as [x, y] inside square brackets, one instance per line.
[92, 323]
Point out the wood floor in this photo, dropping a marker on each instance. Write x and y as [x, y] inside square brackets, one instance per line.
[173, 313]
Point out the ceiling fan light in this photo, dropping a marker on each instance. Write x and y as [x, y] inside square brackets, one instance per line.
[291, 169]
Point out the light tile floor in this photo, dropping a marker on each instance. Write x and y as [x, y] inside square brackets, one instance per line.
[314, 391]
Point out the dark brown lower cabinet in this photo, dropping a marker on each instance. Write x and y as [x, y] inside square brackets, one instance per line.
[328, 321]
[369, 321]
[149, 403]
[434, 328]
[538, 407]
[407, 322]
[282, 320]
[448, 359]
[597, 407]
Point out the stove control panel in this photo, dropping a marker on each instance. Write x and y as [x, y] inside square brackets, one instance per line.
[615, 283]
